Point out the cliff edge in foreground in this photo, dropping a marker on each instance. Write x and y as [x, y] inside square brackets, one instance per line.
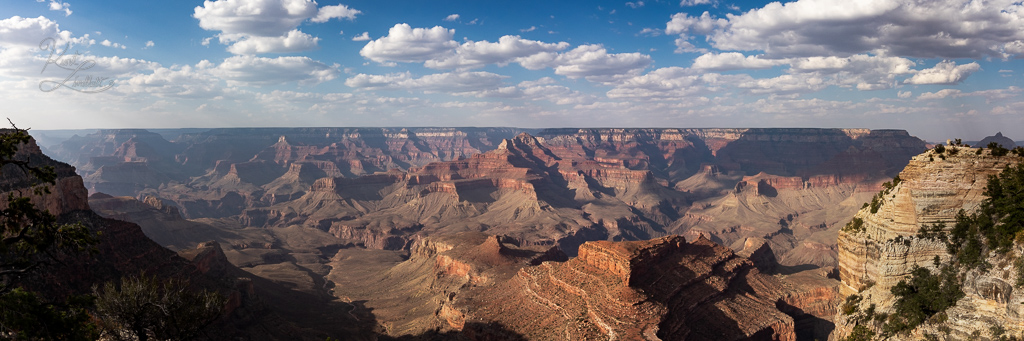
[896, 234]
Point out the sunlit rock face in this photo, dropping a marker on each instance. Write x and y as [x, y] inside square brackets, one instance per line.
[663, 288]
[933, 189]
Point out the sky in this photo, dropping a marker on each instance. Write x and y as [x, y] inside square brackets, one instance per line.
[940, 69]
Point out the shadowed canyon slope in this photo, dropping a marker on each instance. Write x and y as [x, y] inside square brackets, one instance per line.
[253, 307]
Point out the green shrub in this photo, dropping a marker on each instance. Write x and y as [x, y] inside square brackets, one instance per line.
[997, 149]
[921, 296]
[860, 333]
[939, 149]
[855, 225]
[852, 304]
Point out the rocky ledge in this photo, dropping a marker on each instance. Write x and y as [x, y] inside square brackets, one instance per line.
[664, 288]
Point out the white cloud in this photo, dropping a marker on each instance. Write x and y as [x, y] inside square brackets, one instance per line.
[683, 23]
[733, 61]
[474, 54]
[108, 43]
[940, 94]
[786, 84]
[294, 41]
[530, 29]
[266, 26]
[865, 72]
[451, 17]
[250, 70]
[149, 44]
[30, 32]
[635, 5]
[362, 37]
[685, 3]
[406, 44]
[904, 94]
[59, 6]
[590, 61]
[945, 72]
[450, 82]
[926, 29]
[650, 32]
[264, 18]
[181, 82]
[337, 11]
[665, 83]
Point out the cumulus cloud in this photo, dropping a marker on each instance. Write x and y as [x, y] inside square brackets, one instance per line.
[590, 61]
[945, 72]
[474, 54]
[362, 37]
[149, 44]
[683, 23]
[904, 94]
[450, 82]
[59, 6]
[294, 41]
[182, 82]
[250, 70]
[733, 61]
[337, 11]
[451, 17]
[940, 94]
[264, 18]
[664, 83]
[926, 29]
[108, 43]
[786, 84]
[266, 26]
[863, 71]
[29, 32]
[406, 44]
[635, 5]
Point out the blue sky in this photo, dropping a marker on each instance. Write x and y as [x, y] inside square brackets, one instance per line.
[940, 69]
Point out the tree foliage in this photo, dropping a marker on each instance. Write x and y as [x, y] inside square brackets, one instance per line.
[143, 308]
[922, 295]
[31, 238]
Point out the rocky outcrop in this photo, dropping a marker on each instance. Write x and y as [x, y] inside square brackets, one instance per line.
[931, 191]
[883, 250]
[419, 294]
[64, 196]
[664, 289]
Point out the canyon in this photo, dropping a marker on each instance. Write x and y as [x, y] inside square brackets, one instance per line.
[414, 232]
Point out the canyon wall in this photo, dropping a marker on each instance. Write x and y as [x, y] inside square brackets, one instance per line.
[885, 248]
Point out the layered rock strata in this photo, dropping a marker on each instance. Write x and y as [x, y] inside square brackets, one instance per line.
[885, 249]
[664, 289]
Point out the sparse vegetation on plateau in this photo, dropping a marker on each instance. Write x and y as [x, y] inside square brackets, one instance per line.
[855, 225]
[997, 149]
